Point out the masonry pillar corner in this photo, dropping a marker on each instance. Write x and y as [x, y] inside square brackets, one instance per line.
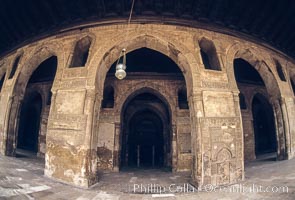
[71, 155]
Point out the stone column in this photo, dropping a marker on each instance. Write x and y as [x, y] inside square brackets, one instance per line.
[5, 106]
[174, 148]
[196, 112]
[11, 125]
[89, 141]
[116, 152]
[287, 106]
[280, 131]
[71, 153]
[248, 134]
[239, 137]
[216, 138]
[286, 127]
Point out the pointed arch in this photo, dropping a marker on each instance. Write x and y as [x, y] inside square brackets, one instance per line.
[177, 53]
[209, 55]
[260, 65]
[81, 52]
[30, 64]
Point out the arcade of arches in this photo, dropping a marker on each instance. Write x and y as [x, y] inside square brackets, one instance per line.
[193, 100]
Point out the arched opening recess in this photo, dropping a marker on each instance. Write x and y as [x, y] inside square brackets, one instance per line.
[146, 140]
[34, 110]
[145, 113]
[258, 120]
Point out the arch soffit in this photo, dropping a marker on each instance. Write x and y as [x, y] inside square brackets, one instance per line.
[261, 92]
[142, 88]
[175, 51]
[263, 65]
[42, 96]
[30, 64]
[152, 108]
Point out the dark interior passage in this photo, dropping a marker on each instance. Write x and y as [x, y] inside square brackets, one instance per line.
[146, 132]
[31, 108]
[264, 138]
[145, 142]
[264, 127]
[29, 123]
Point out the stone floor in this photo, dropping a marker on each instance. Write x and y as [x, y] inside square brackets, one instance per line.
[22, 178]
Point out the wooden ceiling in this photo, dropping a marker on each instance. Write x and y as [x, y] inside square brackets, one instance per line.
[270, 22]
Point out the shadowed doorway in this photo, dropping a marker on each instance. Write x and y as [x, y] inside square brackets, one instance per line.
[147, 104]
[145, 142]
[264, 128]
[34, 111]
[146, 133]
[260, 134]
[30, 122]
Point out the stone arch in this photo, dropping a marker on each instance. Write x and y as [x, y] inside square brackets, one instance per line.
[153, 108]
[260, 64]
[152, 88]
[29, 65]
[263, 67]
[178, 53]
[142, 88]
[164, 117]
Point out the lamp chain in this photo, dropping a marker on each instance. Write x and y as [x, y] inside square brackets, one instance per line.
[120, 68]
[129, 20]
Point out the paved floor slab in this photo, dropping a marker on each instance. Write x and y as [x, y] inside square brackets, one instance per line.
[22, 178]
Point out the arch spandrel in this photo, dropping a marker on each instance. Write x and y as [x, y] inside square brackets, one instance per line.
[102, 61]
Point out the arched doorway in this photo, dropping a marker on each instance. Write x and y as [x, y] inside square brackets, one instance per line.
[34, 110]
[145, 141]
[264, 127]
[152, 80]
[29, 123]
[146, 129]
[257, 113]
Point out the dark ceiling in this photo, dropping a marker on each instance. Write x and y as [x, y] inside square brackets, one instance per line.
[271, 22]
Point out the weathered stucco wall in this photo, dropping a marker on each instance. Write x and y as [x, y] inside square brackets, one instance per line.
[76, 121]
